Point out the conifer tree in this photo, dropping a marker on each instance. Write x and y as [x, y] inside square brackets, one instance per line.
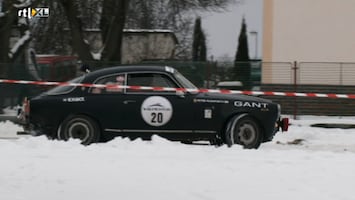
[242, 68]
[199, 50]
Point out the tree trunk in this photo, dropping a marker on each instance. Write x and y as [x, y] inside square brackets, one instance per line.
[112, 25]
[6, 23]
[78, 42]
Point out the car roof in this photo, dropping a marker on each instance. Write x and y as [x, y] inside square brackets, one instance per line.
[127, 68]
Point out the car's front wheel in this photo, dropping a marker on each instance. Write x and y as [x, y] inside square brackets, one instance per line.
[243, 130]
[79, 127]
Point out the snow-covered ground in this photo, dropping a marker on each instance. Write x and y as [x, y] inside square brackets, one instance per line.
[304, 163]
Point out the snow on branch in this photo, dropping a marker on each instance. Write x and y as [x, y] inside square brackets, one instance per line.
[3, 14]
[20, 43]
[96, 56]
[23, 4]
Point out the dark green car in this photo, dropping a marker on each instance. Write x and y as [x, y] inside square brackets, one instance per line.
[97, 114]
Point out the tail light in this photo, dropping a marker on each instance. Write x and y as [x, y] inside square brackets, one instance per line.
[285, 124]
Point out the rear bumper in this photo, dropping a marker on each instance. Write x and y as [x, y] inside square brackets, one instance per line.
[282, 124]
[24, 121]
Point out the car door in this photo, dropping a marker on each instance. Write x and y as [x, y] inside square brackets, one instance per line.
[156, 111]
[106, 103]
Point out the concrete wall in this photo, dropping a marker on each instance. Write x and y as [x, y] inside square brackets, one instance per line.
[139, 46]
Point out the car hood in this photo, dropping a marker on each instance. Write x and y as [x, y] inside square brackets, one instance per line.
[238, 97]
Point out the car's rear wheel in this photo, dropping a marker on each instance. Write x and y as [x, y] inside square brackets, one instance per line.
[79, 127]
[243, 130]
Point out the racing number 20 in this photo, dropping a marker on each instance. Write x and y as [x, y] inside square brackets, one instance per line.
[157, 117]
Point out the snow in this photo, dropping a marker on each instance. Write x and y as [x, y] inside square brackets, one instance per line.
[148, 30]
[11, 111]
[23, 4]
[134, 30]
[96, 56]
[319, 167]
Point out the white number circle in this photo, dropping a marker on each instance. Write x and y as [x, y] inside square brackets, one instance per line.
[156, 110]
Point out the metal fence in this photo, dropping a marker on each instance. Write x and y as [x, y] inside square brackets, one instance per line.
[311, 77]
[307, 77]
[326, 73]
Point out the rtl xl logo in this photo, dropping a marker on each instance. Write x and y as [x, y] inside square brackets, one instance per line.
[33, 12]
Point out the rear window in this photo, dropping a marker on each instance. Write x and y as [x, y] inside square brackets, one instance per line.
[65, 89]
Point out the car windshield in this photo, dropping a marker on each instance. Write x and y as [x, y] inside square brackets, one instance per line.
[184, 81]
[65, 89]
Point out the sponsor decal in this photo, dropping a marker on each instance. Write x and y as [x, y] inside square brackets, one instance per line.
[211, 101]
[156, 110]
[208, 114]
[251, 104]
[74, 99]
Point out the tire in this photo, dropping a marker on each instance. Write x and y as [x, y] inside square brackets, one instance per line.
[79, 127]
[243, 130]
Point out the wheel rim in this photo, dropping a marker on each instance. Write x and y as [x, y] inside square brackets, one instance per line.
[246, 133]
[79, 130]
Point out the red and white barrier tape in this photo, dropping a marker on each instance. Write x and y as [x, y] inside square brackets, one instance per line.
[289, 94]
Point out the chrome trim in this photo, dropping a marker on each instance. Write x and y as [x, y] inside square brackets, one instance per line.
[81, 78]
[158, 131]
[113, 130]
[172, 78]
[202, 131]
[124, 91]
[109, 75]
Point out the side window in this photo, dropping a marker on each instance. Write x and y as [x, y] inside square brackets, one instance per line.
[149, 79]
[112, 81]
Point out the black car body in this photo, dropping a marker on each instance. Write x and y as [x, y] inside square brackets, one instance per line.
[94, 114]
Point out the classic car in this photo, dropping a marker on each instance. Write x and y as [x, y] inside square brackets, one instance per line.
[103, 104]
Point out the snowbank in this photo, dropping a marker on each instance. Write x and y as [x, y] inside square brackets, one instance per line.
[319, 167]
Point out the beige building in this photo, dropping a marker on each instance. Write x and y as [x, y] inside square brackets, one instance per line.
[309, 31]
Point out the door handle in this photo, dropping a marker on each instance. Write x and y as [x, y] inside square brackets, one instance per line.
[129, 101]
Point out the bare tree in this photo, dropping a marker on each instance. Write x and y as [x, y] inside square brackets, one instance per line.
[7, 19]
[176, 15]
[113, 20]
[51, 35]
[71, 9]
[111, 24]
[8, 22]
[12, 27]
[110, 17]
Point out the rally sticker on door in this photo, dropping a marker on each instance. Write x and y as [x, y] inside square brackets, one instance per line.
[156, 110]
